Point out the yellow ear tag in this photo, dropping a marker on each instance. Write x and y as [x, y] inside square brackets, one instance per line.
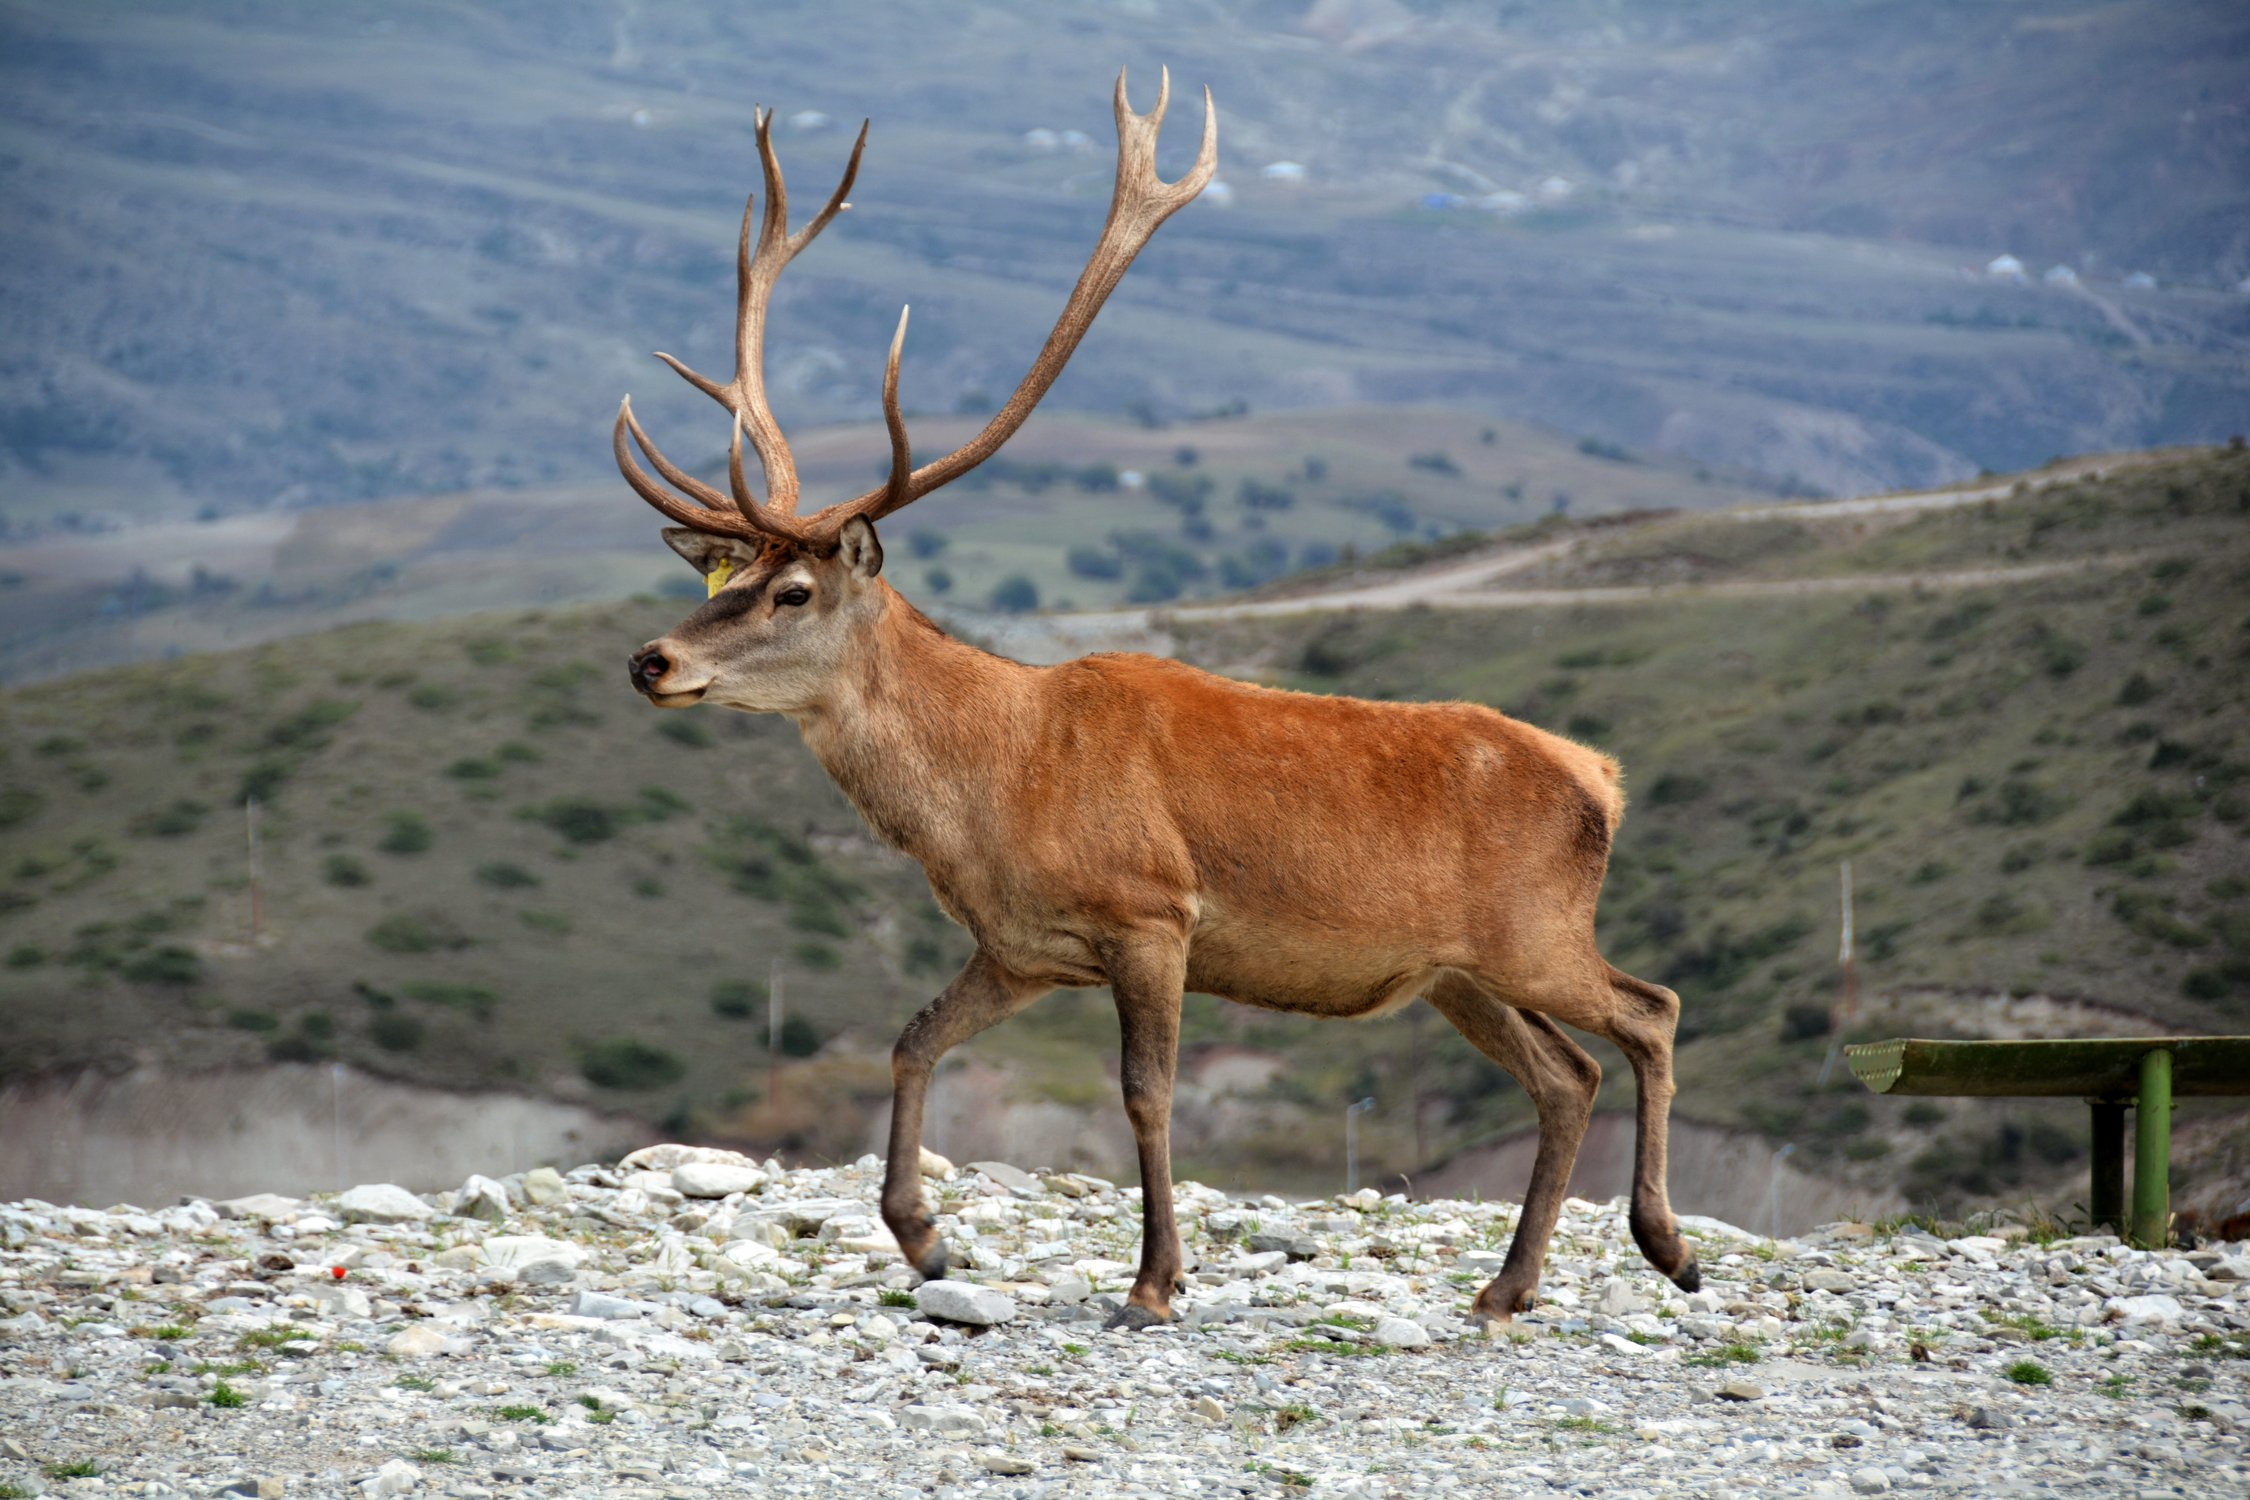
[716, 579]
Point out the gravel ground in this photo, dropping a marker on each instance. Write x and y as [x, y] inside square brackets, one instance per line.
[691, 1323]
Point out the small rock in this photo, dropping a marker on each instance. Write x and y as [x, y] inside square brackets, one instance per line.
[1007, 1463]
[481, 1198]
[1742, 1390]
[395, 1478]
[666, 1157]
[591, 1304]
[702, 1179]
[1401, 1333]
[268, 1206]
[1618, 1299]
[1294, 1246]
[1208, 1409]
[1015, 1179]
[1870, 1481]
[960, 1302]
[262, 1488]
[2154, 1310]
[1989, 1419]
[950, 1420]
[382, 1203]
[543, 1186]
[1827, 1279]
[532, 1259]
[419, 1340]
[934, 1165]
[1081, 1455]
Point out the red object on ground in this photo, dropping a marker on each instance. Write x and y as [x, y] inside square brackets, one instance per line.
[337, 1272]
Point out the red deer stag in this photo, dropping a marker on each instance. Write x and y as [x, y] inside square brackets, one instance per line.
[1134, 822]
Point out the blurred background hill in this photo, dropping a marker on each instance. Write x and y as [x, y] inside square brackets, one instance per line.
[316, 318]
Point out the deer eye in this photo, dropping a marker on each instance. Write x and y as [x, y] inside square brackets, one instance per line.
[792, 596]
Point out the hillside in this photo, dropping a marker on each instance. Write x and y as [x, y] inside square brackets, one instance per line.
[486, 865]
[1221, 505]
[263, 256]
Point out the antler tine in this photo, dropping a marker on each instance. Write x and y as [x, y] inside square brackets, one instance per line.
[713, 512]
[902, 452]
[1138, 206]
[758, 264]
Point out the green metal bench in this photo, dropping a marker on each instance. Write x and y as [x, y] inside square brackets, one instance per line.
[2109, 1074]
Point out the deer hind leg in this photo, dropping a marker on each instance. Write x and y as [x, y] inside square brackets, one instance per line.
[1641, 1023]
[1561, 1080]
[1147, 979]
[981, 996]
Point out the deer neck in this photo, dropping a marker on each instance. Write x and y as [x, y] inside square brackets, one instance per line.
[916, 732]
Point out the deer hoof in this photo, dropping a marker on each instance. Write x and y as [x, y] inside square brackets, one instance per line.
[932, 1264]
[1689, 1277]
[1132, 1318]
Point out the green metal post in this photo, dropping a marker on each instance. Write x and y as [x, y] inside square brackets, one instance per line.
[2152, 1152]
[2107, 1203]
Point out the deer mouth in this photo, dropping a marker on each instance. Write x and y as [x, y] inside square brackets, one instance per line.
[687, 699]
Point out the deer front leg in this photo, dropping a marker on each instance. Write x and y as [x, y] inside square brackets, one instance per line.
[981, 996]
[1147, 979]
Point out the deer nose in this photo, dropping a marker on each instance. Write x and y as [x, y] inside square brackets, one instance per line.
[648, 666]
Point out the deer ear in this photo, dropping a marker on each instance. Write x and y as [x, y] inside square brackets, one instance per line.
[857, 546]
[703, 550]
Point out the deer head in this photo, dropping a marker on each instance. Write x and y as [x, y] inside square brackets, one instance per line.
[794, 596]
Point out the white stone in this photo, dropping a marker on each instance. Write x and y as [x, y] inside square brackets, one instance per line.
[664, 1158]
[397, 1477]
[544, 1186]
[1619, 1299]
[1870, 1481]
[2154, 1310]
[934, 1165]
[269, 1206]
[414, 1342]
[591, 1304]
[699, 1179]
[481, 1198]
[532, 1259]
[1401, 1333]
[382, 1203]
[951, 1420]
[962, 1302]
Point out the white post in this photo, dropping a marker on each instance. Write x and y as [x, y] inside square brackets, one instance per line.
[257, 895]
[1847, 1008]
[1351, 1143]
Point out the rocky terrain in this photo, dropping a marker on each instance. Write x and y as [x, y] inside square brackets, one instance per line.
[688, 1322]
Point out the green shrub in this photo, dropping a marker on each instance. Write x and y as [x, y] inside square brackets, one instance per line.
[579, 821]
[343, 870]
[738, 999]
[815, 955]
[408, 932]
[2137, 689]
[473, 770]
[2030, 1372]
[556, 922]
[799, 1037]
[394, 1032]
[686, 729]
[167, 964]
[404, 833]
[625, 1063]
[1674, 788]
[244, 1018]
[177, 821]
[502, 876]
[473, 998]
[1015, 595]
[1804, 1022]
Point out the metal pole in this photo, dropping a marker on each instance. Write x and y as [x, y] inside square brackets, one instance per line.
[2152, 1152]
[1351, 1143]
[1848, 1007]
[1773, 1192]
[336, 1099]
[257, 894]
[773, 1030]
[2106, 1203]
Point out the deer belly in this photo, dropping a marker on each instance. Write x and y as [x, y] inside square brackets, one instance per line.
[1305, 972]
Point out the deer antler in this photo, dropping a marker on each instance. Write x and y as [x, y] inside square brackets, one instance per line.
[1138, 206]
